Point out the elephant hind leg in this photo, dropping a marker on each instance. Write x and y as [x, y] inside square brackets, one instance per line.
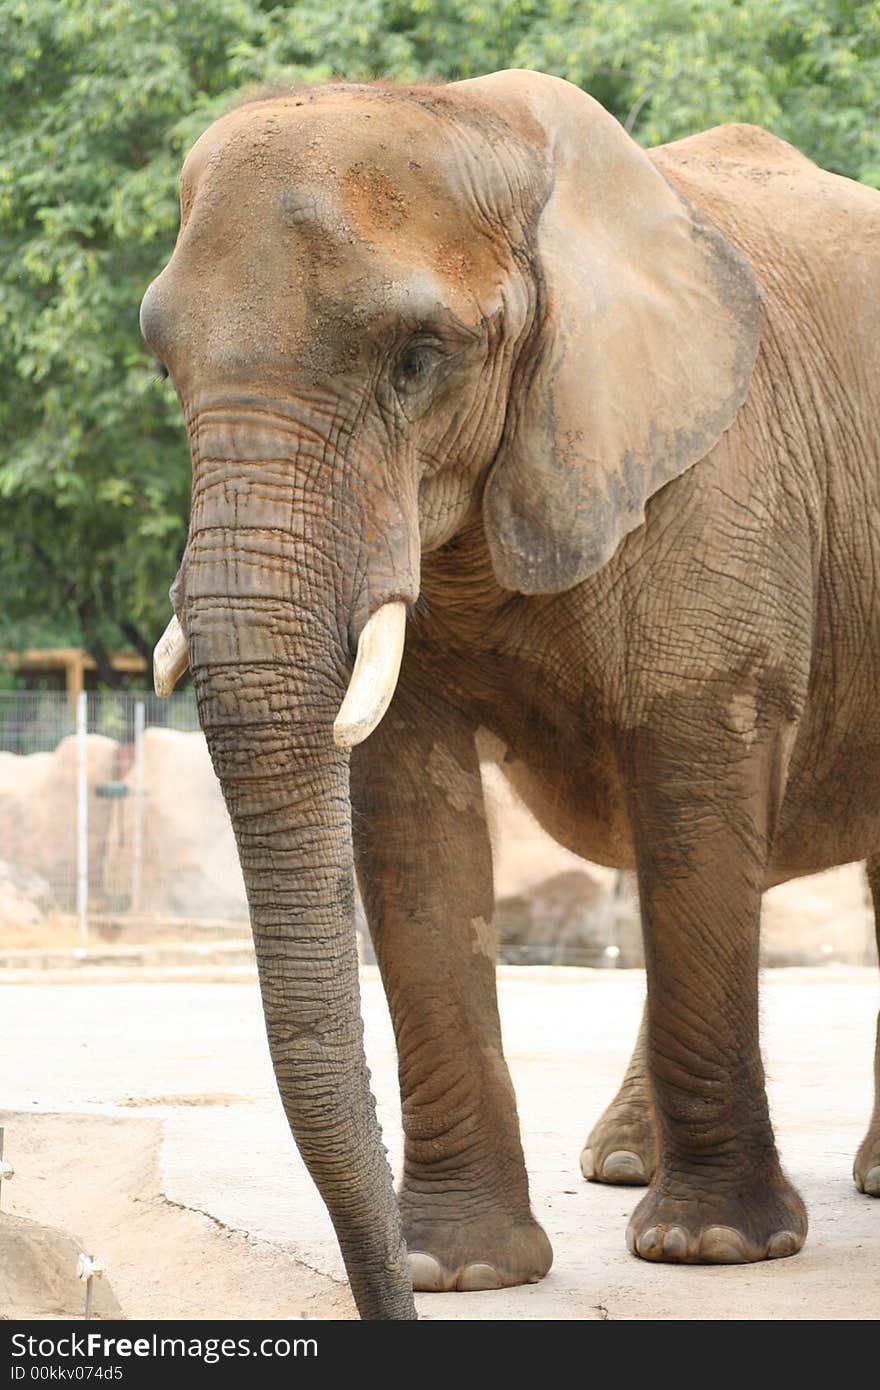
[866, 1168]
[621, 1147]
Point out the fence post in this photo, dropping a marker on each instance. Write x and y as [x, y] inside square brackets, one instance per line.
[82, 819]
[137, 844]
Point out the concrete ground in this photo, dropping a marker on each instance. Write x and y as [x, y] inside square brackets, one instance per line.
[143, 1118]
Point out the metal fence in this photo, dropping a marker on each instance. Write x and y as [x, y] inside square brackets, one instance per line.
[110, 815]
[113, 828]
[35, 721]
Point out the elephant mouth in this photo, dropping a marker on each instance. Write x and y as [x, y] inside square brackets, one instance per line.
[370, 690]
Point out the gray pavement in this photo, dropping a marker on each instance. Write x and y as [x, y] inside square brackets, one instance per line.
[193, 1058]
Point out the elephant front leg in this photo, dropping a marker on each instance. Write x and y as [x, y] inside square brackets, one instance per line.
[424, 866]
[621, 1147]
[866, 1169]
[702, 827]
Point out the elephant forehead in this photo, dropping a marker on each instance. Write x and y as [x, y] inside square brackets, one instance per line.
[311, 228]
[343, 168]
[343, 128]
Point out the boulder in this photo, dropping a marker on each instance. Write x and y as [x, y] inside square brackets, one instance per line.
[823, 918]
[567, 919]
[189, 863]
[38, 794]
[38, 1276]
[551, 907]
[523, 854]
[26, 899]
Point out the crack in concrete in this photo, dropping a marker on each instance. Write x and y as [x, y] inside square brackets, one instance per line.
[252, 1239]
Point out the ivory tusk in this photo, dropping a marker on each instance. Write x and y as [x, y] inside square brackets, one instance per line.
[170, 658]
[374, 678]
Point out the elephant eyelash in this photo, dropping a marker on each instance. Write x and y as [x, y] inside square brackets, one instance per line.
[161, 371]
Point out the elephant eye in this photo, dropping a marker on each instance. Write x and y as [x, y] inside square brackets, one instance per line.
[413, 366]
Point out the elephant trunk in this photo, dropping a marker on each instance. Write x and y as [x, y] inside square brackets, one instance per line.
[269, 664]
[372, 685]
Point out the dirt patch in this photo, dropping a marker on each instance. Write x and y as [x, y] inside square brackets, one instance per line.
[97, 1178]
[376, 203]
[219, 1098]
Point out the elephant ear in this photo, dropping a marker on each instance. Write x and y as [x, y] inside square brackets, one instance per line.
[647, 331]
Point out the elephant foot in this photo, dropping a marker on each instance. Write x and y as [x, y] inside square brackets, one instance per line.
[471, 1253]
[621, 1147]
[764, 1221]
[866, 1169]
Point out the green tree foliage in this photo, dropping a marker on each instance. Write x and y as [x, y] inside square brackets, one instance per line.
[100, 101]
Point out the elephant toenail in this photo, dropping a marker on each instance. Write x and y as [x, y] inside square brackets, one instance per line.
[622, 1166]
[588, 1167]
[675, 1243]
[871, 1182]
[427, 1276]
[650, 1244]
[478, 1276]
[722, 1245]
[782, 1244]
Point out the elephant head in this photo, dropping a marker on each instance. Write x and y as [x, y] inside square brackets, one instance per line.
[390, 312]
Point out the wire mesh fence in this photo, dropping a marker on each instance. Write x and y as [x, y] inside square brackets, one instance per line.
[113, 823]
[111, 818]
[34, 721]
[113, 828]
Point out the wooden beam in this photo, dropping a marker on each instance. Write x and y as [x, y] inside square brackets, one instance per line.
[74, 675]
[60, 658]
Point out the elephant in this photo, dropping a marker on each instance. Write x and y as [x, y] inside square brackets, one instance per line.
[510, 435]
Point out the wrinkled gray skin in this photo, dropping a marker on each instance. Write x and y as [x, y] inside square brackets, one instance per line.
[609, 420]
[621, 1148]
